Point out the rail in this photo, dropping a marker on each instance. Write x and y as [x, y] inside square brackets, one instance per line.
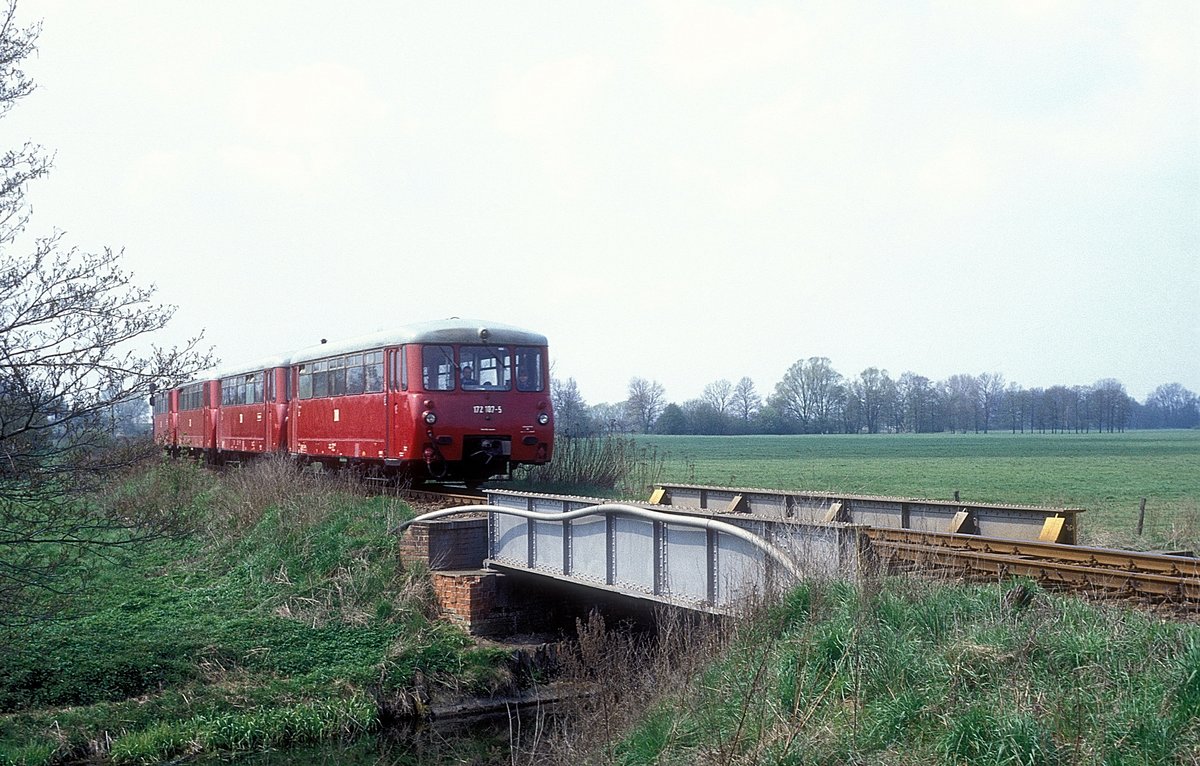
[1158, 576]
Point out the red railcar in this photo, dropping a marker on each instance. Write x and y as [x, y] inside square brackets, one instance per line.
[196, 415]
[449, 400]
[253, 411]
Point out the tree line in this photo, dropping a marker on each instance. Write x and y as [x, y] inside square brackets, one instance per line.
[813, 397]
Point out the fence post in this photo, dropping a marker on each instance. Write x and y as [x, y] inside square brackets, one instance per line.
[1141, 517]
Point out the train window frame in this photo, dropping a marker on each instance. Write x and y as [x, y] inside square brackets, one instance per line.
[536, 377]
[491, 365]
[304, 389]
[356, 383]
[191, 398]
[442, 357]
[373, 372]
[337, 376]
[320, 379]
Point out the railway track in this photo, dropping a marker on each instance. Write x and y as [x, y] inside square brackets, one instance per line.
[1094, 570]
[443, 496]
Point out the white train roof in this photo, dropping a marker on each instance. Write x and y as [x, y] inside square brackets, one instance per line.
[453, 330]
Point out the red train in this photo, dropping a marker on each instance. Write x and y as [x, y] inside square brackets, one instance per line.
[455, 400]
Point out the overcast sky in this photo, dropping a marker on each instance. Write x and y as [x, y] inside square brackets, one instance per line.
[682, 191]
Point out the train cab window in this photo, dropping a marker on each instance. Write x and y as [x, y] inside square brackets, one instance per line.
[529, 372]
[484, 368]
[437, 368]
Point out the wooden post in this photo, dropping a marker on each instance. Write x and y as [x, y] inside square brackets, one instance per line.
[956, 495]
[1141, 516]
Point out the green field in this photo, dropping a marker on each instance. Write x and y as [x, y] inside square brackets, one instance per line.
[1106, 474]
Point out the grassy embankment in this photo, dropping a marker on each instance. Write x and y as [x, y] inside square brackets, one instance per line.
[1106, 474]
[280, 616]
[911, 672]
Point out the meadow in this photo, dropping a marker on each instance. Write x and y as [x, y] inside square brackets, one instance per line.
[1105, 474]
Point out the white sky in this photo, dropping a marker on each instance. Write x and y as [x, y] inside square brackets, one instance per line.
[682, 191]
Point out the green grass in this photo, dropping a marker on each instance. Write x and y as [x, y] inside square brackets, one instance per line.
[908, 672]
[280, 618]
[1106, 474]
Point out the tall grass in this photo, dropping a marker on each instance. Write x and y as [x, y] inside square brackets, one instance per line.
[907, 671]
[602, 465]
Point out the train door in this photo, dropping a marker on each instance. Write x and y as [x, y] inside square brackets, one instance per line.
[399, 422]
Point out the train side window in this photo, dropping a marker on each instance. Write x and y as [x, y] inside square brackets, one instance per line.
[269, 386]
[354, 375]
[337, 376]
[373, 372]
[529, 369]
[437, 368]
[320, 379]
[404, 368]
[191, 398]
[304, 385]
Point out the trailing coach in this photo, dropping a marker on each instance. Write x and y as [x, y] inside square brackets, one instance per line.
[453, 400]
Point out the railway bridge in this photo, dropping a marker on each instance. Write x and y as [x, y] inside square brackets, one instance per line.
[707, 549]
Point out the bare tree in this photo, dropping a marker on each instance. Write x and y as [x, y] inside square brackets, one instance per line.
[990, 387]
[874, 395]
[962, 402]
[645, 403]
[1112, 405]
[719, 396]
[810, 392]
[570, 410]
[1173, 406]
[746, 401]
[74, 348]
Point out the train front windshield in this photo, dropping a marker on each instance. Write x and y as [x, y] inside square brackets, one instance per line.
[482, 368]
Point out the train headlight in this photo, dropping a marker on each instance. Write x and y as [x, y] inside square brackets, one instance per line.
[430, 417]
[543, 418]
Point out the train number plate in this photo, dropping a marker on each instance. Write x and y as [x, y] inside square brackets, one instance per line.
[488, 409]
